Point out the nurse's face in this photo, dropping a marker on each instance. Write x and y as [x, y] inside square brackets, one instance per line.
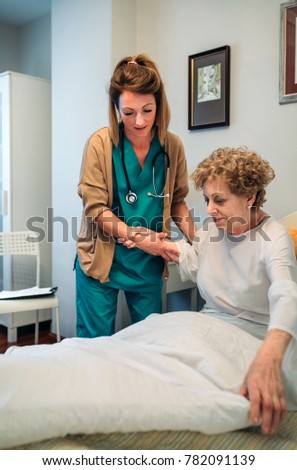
[229, 211]
[138, 113]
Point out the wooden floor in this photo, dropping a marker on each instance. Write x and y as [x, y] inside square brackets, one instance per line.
[26, 336]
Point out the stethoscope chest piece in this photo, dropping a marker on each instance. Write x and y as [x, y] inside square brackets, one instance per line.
[131, 198]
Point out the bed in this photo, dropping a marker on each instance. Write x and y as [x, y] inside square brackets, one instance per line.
[168, 382]
[247, 439]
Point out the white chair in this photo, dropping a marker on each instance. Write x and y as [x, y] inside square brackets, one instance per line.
[24, 243]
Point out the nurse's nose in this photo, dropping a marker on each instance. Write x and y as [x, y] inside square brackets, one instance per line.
[139, 120]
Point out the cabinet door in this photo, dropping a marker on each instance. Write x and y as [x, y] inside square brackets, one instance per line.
[5, 145]
[25, 170]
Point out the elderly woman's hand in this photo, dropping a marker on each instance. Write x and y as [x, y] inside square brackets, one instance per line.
[135, 234]
[151, 242]
[263, 384]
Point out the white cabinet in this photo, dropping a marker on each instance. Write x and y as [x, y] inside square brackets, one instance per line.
[25, 153]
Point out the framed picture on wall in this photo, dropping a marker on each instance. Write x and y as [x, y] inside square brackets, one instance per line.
[209, 89]
[288, 53]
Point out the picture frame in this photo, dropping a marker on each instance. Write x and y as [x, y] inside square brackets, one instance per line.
[288, 53]
[209, 89]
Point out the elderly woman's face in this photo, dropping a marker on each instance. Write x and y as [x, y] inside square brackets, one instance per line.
[229, 211]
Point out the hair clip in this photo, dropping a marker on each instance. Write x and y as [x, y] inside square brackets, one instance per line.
[133, 62]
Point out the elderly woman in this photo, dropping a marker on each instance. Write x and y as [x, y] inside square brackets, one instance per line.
[245, 268]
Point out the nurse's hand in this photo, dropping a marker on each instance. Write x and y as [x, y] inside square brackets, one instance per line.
[153, 244]
[147, 240]
[156, 244]
[173, 254]
[136, 235]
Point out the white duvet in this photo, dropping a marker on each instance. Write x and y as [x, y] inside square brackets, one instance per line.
[175, 371]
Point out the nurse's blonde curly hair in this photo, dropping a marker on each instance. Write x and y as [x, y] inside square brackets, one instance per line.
[242, 170]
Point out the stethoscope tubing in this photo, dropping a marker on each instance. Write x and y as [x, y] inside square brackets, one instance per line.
[131, 196]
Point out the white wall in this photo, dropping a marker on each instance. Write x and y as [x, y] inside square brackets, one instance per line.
[257, 120]
[27, 49]
[89, 37]
[35, 47]
[81, 51]
[124, 29]
[9, 48]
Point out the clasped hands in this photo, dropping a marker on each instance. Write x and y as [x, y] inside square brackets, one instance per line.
[153, 243]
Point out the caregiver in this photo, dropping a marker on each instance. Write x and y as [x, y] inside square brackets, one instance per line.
[133, 174]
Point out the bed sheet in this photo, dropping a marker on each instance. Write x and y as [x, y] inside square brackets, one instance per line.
[175, 371]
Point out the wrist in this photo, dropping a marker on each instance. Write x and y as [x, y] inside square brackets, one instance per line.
[275, 344]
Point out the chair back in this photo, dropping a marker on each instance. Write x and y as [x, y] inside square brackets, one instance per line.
[21, 243]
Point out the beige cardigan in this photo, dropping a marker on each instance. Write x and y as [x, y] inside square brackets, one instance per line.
[96, 249]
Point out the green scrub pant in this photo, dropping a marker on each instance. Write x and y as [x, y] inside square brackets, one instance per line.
[96, 305]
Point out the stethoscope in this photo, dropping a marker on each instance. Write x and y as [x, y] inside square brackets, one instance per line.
[131, 197]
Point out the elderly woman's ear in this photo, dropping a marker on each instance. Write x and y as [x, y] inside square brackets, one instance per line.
[251, 201]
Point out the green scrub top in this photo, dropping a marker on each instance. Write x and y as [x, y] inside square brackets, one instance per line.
[133, 269]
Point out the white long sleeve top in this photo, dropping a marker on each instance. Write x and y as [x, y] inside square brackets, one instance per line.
[252, 276]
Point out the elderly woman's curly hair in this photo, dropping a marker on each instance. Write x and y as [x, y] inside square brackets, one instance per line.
[243, 171]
